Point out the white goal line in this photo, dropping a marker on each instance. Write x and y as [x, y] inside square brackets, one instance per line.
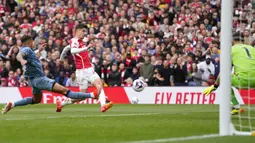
[176, 139]
[84, 116]
[105, 115]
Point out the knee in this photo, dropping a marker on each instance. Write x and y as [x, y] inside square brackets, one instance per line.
[60, 89]
[64, 91]
[99, 85]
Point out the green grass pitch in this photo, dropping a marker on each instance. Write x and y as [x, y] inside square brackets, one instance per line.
[123, 123]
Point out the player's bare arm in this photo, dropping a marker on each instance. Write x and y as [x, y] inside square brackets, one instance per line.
[20, 58]
[64, 52]
[75, 50]
[217, 82]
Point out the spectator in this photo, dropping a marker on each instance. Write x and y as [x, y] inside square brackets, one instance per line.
[72, 81]
[135, 74]
[180, 73]
[142, 57]
[151, 48]
[146, 70]
[195, 76]
[215, 54]
[166, 72]
[3, 69]
[189, 63]
[61, 79]
[129, 82]
[124, 73]
[159, 63]
[172, 67]
[198, 56]
[97, 65]
[153, 61]
[157, 79]
[48, 74]
[129, 62]
[67, 69]
[41, 52]
[22, 82]
[217, 67]
[114, 76]
[12, 80]
[247, 37]
[19, 73]
[4, 82]
[207, 68]
[57, 67]
[105, 70]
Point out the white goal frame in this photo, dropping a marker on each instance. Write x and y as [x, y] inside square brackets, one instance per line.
[226, 128]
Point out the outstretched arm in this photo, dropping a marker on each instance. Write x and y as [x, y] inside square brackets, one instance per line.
[76, 50]
[210, 89]
[64, 52]
[217, 82]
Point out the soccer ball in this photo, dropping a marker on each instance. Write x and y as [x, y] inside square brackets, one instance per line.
[134, 100]
[138, 85]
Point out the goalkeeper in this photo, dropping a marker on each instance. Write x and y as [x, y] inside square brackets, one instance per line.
[243, 60]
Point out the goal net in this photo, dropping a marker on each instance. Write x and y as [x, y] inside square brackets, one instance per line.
[243, 22]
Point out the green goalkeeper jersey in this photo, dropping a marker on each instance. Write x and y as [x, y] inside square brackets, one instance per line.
[243, 60]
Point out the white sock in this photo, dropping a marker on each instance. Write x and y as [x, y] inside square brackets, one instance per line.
[102, 98]
[237, 106]
[13, 105]
[92, 95]
[66, 102]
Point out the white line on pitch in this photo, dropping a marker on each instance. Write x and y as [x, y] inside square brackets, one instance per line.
[56, 117]
[107, 115]
[176, 139]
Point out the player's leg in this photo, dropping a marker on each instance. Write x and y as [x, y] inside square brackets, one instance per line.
[83, 85]
[105, 103]
[92, 77]
[37, 96]
[48, 84]
[70, 94]
[83, 88]
[236, 82]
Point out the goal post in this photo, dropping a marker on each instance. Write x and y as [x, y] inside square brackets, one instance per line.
[225, 67]
[227, 126]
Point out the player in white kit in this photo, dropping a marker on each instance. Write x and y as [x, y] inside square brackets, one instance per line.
[84, 70]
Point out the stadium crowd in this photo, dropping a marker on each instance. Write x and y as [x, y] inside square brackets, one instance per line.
[166, 42]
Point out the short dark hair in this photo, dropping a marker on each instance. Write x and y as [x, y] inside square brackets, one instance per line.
[80, 26]
[237, 36]
[25, 38]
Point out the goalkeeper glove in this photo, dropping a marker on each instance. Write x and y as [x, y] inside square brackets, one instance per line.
[210, 89]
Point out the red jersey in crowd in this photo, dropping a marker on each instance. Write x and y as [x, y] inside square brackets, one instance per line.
[23, 84]
[1, 10]
[12, 82]
[82, 59]
[25, 25]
